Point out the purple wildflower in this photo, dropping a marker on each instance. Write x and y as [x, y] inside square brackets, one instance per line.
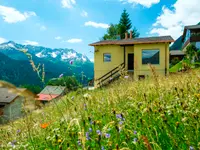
[91, 122]
[135, 140]
[121, 122]
[102, 148]
[13, 143]
[111, 78]
[191, 148]
[90, 129]
[85, 106]
[87, 136]
[135, 132]
[18, 131]
[119, 116]
[79, 142]
[98, 132]
[71, 62]
[60, 76]
[107, 135]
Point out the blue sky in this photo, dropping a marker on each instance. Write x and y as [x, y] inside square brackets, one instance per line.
[76, 23]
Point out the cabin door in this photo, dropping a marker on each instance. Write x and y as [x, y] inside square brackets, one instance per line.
[131, 61]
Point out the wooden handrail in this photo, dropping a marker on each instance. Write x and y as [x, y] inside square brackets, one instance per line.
[110, 71]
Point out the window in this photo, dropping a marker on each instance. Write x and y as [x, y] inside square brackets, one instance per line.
[107, 57]
[150, 57]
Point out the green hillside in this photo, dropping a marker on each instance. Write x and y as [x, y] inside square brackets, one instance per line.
[158, 113]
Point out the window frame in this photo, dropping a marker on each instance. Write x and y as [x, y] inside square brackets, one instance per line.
[104, 57]
[150, 50]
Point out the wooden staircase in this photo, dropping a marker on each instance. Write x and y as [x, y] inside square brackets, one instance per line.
[110, 76]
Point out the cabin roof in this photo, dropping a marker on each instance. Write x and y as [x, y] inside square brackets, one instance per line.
[6, 96]
[56, 90]
[145, 40]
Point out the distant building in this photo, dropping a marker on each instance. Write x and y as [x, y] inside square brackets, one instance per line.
[10, 105]
[176, 54]
[51, 92]
[191, 35]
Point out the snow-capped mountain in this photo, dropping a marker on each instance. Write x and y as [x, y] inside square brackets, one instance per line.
[56, 62]
[59, 54]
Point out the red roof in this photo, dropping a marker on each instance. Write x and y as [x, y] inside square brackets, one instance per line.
[46, 97]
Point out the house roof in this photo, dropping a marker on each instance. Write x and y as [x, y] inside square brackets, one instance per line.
[55, 90]
[6, 96]
[46, 97]
[176, 52]
[192, 27]
[146, 40]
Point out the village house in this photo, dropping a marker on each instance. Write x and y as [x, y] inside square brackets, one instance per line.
[134, 55]
[11, 105]
[51, 92]
[191, 35]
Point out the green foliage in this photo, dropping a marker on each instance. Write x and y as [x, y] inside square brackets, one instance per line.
[112, 31]
[120, 29]
[191, 52]
[33, 88]
[174, 61]
[69, 81]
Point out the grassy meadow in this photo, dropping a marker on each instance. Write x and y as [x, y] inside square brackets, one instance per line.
[157, 113]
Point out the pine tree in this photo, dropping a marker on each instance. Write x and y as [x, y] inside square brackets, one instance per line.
[124, 26]
[125, 22]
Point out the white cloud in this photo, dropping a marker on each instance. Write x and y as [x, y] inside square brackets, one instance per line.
[11, 15]
[172, 20]
[145, 3]
[97, 25]
[84, 13]
[58, 38]
[68, 3]
[2, 40]
[74, 40]
[92, 59]
[27, 42]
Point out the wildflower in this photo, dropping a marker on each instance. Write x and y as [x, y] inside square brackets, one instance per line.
[191, 148]
[71, 62]
[98, 132]
[59, 141]
[107, 135]
[61, 75]
[121, 122]
[79, 142]
[72, 98]
[44, 125]
[111, 78]
[126, 77]
[87, 136]
[18, 131]
[135, 140]
[13, 143]
[135, 132]
[91, 122]
[102, 148]
[120, 116]
[90, 129]
[85, 106]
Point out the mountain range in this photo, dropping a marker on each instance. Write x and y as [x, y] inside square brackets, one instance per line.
[15, 66]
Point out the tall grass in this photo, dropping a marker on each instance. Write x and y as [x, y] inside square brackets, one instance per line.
[156, 113]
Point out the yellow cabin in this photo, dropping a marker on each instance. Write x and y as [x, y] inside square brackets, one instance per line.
[134, 55]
